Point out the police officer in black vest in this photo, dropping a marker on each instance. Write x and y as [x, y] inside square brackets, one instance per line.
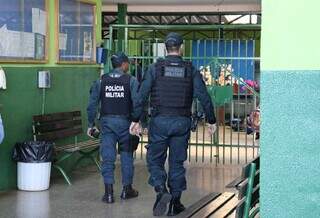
[171, 83]
[117, 92]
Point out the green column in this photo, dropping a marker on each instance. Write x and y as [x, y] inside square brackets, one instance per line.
[99, 21]
[290, 105]
[122, 19]
[52, 58]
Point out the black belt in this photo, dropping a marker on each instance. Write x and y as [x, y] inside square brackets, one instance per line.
[116, 116]
[170, 111]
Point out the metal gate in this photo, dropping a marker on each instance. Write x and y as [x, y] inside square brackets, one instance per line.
[230, 68]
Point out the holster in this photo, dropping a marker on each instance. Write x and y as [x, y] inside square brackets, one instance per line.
[133, 144]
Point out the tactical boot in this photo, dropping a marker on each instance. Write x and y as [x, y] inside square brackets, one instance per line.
[175, 207]
[163, 198]
[108, 195]
[128, 192]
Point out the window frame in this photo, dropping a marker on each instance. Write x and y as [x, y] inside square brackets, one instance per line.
[16, 60]
[94, 8]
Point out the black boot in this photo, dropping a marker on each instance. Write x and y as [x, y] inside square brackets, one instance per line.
[163, 198]
[108, 195]
[128, 192]
[175, 207]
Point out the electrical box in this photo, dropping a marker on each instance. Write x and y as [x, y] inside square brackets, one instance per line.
[44, 79]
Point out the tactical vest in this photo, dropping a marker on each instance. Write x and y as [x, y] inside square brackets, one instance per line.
[172, 92]
[115, 95]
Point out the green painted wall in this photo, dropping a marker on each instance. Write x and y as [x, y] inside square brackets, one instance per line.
[22, 99]
[290, 104]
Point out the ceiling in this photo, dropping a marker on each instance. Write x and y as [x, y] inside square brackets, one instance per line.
[181, 19]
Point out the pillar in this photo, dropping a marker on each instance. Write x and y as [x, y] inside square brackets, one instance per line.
[290, 105]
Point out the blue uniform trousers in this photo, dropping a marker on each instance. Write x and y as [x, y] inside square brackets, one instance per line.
[173, 133]
[115, 129]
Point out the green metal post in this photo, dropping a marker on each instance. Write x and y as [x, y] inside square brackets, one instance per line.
[254, 213]
[249, 190]
[98, 21]
[64, 174]
[109, 45]
[106, 47]
[52, 32]
[191, 27]
[122, 19]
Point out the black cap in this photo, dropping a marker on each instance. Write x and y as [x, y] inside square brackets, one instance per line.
[173, 40]
[118, 58]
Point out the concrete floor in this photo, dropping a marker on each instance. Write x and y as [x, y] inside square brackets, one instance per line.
[83, 198]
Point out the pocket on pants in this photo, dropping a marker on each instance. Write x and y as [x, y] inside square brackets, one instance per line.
[183, 127]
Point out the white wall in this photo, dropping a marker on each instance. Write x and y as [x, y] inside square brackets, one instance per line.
[187, 8]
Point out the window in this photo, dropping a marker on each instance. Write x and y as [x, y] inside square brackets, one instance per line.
[23, 30]
[76, 31]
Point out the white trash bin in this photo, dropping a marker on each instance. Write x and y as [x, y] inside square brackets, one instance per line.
[33, 165]
[34, 176]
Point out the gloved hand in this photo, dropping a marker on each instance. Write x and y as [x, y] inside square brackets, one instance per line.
[212, 128]
[93, 132]
[89, 132]
[135, 128]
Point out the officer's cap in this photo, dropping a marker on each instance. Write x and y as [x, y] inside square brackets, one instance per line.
[173, 40]
[118, 58]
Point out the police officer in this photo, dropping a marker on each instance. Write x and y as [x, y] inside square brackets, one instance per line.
[116, 92]
[171, 83]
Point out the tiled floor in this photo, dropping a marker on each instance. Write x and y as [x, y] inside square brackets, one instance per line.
[83, 198]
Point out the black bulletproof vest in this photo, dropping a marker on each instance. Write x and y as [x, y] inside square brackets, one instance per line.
[172, 92]
[115, 95]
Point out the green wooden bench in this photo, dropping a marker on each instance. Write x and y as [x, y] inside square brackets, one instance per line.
[242, 204]
[57, 126]
[244, 173]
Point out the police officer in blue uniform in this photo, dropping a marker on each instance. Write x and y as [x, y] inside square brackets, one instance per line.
[116, 92]
[171, 84]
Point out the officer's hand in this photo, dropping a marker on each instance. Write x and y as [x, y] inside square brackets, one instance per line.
[212, 128]
[132, 128]
[135, 128]
[90, 131]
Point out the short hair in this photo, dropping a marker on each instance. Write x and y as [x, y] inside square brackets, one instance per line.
[116, 65]
[173, 48]
[118, 58]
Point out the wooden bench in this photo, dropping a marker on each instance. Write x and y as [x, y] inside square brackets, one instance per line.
[56, 126]
[229, 204]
